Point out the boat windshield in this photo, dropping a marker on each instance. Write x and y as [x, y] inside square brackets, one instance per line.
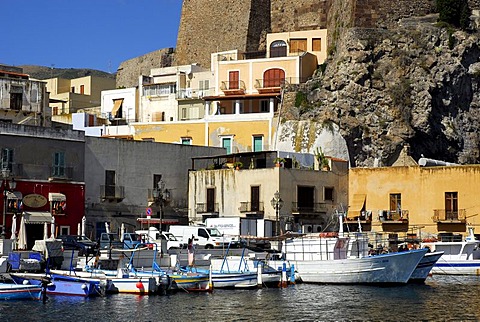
[214, 232]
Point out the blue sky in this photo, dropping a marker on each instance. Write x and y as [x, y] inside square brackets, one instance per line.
[96, 34]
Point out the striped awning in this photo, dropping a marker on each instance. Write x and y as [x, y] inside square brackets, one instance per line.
[37, 217]
[357, 205]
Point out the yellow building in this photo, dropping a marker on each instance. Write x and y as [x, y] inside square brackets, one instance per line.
[415, 199]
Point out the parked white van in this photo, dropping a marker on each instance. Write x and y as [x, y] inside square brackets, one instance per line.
[202, 236]
[153, 235]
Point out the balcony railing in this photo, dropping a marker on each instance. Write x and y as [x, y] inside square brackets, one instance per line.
[112, 192]
[246, 206]
[58, 172]
[186, 93]
[203, 208]
[449, 215]
[233, 87]
[318, 207]
[393, 215]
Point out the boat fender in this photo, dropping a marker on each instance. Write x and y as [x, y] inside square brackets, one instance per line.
[26, 282]
[139, 285]
[84, 287]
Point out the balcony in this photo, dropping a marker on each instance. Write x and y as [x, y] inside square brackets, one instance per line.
[313, 208]
[112, 192]
[188, 93]
[233, 88]
[61, 173]
[203, 208]
[252, 207]
[449, 216]
[269, 85]
[394, 216]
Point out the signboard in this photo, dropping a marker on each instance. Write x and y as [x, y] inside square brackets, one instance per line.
[34, 200]
[149, 212]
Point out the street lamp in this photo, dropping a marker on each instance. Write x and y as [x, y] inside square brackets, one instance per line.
[6, 188]
[277, 204]
[160, 194]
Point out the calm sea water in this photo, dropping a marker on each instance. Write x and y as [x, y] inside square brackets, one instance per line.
[441, 298]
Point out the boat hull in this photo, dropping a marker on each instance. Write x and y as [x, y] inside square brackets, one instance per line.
[20, 292]
[456, 267]
[234, 280]
[64, 285]
[192, 282]
[424, 268]
[391, 268]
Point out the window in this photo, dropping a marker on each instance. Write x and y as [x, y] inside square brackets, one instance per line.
[328, 193]
[109, 183]
[255, 198]
[202, 233]
[305, 198]
[210, 199]
[278, 48]
[184, 113]
[16, 98]
[257, 143]
[396, 203]
[227, 144]
[451, 205]
[234, 80]
[82, 89]
[7, 159]
[58, 169]
[298, 45]
[316, 44]
[187, 141]
[72, 89]
[274, 77]
[157, 178]
[264, 106]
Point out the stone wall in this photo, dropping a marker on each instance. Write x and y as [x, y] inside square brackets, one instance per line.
[129, 70]
[296, 15]
[209, 26]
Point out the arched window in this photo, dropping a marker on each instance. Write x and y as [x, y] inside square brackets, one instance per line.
[274, 77]
[278, 48]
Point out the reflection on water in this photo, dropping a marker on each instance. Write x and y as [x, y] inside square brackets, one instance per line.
[441, 298]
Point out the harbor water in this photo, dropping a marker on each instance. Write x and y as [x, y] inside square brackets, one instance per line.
[440, 298]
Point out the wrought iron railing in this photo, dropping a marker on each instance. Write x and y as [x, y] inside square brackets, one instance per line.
[449, 215]
[394, 215]
[246, 206]
[309, 208]
[60, 172]
[202, 208]
[112, 192]
[234, 85]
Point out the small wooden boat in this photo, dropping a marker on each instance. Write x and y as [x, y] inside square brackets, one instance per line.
[20, 292]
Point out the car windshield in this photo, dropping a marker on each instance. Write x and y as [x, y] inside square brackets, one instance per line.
[214, 232]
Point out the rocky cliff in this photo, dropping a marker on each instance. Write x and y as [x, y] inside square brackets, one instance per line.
[416, 83]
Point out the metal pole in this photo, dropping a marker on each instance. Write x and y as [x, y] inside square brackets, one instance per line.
[4, 207]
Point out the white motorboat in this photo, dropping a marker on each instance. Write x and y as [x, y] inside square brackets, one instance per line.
[424, 268]
[460, 257]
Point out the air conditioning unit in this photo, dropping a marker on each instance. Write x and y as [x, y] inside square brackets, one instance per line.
[307, 229]
[317, 228]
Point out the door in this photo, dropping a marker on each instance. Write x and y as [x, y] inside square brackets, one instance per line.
[210, 200]
[305, 198]
[451, 205]
[273, 77]
[255, 198]
[109, 183]
[233, 80]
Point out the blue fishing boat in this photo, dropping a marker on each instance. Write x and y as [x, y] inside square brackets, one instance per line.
[20, 292]
[62, 284]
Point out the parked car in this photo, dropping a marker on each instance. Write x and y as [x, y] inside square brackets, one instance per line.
[110, 241]
[83, 244]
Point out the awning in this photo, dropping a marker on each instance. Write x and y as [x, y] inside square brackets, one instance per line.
[55, 196]
[117, 103]
[14, 195]
[40, 217]
[356, 206]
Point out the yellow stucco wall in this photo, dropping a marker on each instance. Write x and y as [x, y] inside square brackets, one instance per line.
[171, 132]
[242, 132]
[422, 191]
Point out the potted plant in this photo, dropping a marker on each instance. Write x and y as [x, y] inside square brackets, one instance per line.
[322, 160]
[278, 161]
[238, 165]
